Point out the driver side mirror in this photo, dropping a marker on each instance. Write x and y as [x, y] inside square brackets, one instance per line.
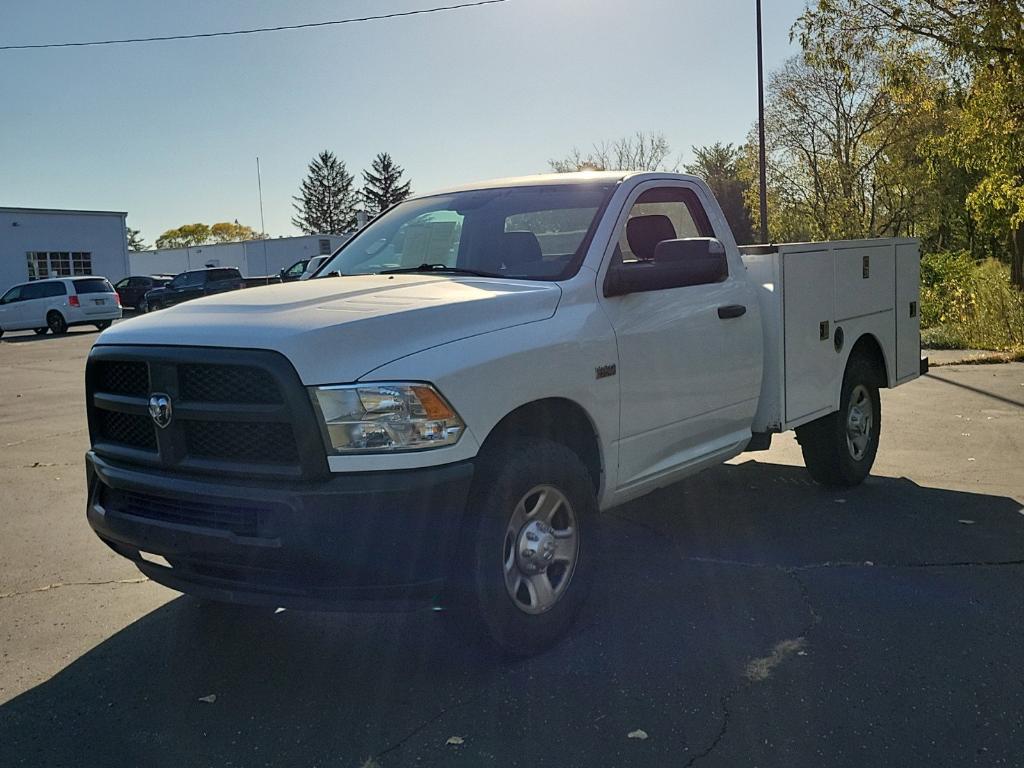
[676, 264]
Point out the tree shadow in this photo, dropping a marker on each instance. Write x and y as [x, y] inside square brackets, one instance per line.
[694, 581]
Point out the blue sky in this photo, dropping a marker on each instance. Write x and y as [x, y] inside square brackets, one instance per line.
[170, 131]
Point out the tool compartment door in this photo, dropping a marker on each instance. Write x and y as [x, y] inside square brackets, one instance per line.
[908, 311]
[808, 312]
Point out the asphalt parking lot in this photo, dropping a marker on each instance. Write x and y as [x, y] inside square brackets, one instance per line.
[744, 617]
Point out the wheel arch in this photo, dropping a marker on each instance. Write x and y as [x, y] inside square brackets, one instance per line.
[868, 347]
[559, 419]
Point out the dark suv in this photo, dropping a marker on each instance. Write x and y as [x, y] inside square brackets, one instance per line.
[133, 289]
[192, 285]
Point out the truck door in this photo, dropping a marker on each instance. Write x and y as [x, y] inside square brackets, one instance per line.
[689, 357]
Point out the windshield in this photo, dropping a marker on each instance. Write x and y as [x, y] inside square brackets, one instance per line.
[532, 233]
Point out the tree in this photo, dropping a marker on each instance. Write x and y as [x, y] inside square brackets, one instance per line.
[719, 166]
[840, 148]
[383, 187]
[233, 232]
[327, 201]
[640, 152]
[185, 236]
[190, 235]
[135, 242]
[981, 46]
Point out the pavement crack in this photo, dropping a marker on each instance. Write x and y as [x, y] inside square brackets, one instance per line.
[428, 722]
[58, 585]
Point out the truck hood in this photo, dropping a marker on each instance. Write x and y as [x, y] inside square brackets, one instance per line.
[337, 329]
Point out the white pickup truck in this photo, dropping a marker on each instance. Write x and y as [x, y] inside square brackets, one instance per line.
[444, 410]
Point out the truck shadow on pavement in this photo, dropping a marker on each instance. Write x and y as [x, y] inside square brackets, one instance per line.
[729, 612]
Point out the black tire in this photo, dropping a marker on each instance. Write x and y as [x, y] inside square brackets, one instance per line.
[56, 323]
[102, 326]
[840, 448]
[41, 331]
[1, 333]
[517, 477]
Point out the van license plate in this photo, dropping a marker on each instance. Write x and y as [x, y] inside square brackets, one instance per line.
[100, 301]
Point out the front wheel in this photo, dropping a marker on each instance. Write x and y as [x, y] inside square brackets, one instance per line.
[103, 325]
[523, 570]
[839, 449]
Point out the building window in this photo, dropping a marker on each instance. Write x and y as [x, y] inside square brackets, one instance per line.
[325, 247]
[44, 264]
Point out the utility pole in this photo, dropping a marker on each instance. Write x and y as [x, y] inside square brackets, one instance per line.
[263, 226]
[760, 131]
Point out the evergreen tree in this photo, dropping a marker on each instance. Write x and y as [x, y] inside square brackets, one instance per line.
[135, 241]
[383, 186]
[326, 204]
[719, 166]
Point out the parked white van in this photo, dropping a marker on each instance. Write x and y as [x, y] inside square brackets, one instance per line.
[56, 304]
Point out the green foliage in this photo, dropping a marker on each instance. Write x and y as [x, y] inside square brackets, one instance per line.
[189, 235]
[383, 186]
[946, 284]
[135, 241]
[719, 166]
[232, 232]
[326, 203]
[968, 304]
[977, 118]
[185, 236]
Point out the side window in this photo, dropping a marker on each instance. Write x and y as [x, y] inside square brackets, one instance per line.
[55, 289]
[193, 279]
[667, 213]
[12, 295]
[33, 291]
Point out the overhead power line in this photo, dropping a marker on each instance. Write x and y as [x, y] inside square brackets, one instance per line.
[255, 31]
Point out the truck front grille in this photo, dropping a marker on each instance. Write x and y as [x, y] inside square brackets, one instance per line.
[227, 384]
[241, 441]
[122, 377]
[126, 429]
[241, 412]
[241, 521]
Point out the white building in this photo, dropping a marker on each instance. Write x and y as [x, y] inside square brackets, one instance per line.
[40, 242]
[254, 258]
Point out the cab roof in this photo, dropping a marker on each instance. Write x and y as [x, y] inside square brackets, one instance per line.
[552, 179]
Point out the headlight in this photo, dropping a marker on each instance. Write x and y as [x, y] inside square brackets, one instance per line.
[369, 418]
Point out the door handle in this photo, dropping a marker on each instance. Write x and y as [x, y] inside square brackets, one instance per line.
[731, 310]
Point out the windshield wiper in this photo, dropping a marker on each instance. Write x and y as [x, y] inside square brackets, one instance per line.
[438, 268]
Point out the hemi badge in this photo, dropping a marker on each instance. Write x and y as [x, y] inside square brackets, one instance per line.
[604, 371]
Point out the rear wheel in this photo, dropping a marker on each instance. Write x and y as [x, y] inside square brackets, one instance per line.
[56, 323]
[840, 448]
[523, 570]
[103, 325]
[41, 331]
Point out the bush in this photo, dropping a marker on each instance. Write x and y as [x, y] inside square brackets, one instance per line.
[969, 304]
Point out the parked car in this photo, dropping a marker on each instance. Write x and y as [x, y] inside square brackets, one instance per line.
[59, 303]
[314, 264]
[294, 272]
[500, 363]
[192, 285]
[132, 290]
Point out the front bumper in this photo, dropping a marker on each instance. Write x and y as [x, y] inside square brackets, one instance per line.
[356, 541]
